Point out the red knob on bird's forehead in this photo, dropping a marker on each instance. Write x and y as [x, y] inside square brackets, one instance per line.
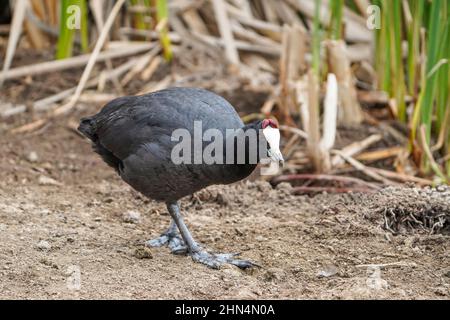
[269, 122]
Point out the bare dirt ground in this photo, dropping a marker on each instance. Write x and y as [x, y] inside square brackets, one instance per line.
[62, 209]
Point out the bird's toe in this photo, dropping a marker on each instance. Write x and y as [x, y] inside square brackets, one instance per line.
[207, 259]
[243, 264]
[231, 259]
[158, 242]
[174, 242]
[178, 247]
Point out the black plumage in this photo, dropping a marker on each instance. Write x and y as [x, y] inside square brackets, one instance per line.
[133, 135]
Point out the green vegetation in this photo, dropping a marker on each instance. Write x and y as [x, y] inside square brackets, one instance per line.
[422, 72]
[142, 20]
[336, 26]
[67, 33]
[162, 16]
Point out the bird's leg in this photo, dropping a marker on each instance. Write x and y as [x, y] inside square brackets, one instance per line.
[197, 253]
[171, 238]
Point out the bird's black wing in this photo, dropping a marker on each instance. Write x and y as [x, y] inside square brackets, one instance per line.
[127, 124]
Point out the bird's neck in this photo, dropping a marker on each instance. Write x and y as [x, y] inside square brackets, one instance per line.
[242, 146]
[244, 157]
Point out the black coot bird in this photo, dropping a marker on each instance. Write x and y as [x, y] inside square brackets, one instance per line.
[135, 136]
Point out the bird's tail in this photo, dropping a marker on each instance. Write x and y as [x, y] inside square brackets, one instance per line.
[88, 127]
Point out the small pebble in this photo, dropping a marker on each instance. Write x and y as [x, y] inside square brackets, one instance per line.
[284, 186]
[223, 199]
[46, 181]
[327, 271]
[132, 216]
[32, 156]
[260, 238]
[43, 245]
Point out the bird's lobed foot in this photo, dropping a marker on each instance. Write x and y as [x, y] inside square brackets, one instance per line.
[173, 241]
[216, 260]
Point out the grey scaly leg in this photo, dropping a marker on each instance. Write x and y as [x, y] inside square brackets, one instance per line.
[196, 252]
[171, 238]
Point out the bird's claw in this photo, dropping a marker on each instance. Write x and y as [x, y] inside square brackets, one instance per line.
[216, 260]
[174, 242]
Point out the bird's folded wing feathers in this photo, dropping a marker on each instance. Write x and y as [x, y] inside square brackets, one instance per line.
[126, 124]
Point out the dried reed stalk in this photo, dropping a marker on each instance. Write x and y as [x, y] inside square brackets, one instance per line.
[320, 159]
[16, 28]
[225, 31]
[292, 66]
[350, 111]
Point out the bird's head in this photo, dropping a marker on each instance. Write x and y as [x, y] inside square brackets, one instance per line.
[272, 135]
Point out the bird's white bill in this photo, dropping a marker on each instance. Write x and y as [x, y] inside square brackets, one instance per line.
[272, 136]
